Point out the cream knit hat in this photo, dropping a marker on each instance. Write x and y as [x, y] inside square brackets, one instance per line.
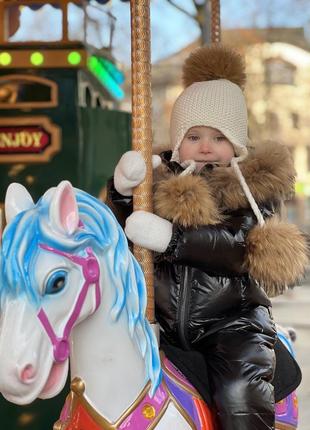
[214, 77]
[219, 104]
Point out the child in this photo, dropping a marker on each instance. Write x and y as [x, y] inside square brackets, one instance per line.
[220, 249]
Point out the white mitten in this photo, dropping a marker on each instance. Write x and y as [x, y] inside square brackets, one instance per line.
[148, 230]
[130, 171]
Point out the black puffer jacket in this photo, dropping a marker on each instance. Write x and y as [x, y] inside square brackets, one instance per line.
[213, 270]
[201, 284]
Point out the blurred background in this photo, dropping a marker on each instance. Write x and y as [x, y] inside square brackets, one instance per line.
[65, 109]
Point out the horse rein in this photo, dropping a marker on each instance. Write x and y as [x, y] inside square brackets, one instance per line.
[91, 273]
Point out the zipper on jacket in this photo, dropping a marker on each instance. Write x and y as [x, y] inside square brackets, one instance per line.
[183, 308]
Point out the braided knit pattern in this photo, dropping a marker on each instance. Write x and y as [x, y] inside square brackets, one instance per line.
[247, 192]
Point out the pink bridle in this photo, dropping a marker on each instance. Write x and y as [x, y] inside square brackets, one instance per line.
[91, 273]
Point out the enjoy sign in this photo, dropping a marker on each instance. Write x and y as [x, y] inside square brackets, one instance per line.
[33, 139]
[23, 139]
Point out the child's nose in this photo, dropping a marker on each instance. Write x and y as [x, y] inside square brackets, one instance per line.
[205, 145]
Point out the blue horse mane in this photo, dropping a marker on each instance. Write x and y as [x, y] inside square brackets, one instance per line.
[100, 230]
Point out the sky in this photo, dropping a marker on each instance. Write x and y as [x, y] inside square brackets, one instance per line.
[171, 29]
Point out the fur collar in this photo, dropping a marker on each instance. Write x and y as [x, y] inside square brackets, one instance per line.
[268, 171]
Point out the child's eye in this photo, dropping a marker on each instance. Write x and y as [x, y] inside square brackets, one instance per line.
[220, 138]
[193, 137]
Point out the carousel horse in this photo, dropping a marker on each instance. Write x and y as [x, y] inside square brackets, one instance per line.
[70, 288]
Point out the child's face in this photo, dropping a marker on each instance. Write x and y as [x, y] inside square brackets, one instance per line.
[206, 145]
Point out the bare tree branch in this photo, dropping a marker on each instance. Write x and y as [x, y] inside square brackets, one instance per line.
[181, 9]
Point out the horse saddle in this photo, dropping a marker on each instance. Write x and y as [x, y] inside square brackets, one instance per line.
[192, 364]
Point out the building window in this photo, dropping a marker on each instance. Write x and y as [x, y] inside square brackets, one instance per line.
[295, 119]
[26, 91]
[308, 158]
[279, 71]
[292, 152]
[272, 121]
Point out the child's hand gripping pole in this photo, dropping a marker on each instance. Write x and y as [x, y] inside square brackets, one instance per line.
[130, 171]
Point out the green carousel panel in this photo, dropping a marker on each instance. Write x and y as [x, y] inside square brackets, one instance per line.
[106, 136]
[40, 175]
[93, 140]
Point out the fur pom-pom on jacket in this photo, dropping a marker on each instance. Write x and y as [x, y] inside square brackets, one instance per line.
[276, 253]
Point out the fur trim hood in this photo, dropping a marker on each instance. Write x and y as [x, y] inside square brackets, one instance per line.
[276, 254]
[268, 170]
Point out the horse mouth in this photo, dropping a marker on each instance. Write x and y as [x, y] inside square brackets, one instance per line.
[55, 381]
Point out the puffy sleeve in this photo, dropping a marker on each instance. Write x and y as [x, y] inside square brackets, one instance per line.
[218, 249]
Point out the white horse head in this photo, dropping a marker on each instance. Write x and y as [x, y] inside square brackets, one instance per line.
[69, 287]
[66, 268]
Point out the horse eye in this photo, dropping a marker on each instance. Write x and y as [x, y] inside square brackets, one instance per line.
[56, 282]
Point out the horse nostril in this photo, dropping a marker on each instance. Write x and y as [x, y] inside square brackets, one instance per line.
[27, 374]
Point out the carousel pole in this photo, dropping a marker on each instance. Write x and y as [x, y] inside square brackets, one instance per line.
[142, 118]
[215, 21]
[142, 127]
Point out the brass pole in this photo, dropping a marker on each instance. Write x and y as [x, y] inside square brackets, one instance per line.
[142, 126]
[215, 21]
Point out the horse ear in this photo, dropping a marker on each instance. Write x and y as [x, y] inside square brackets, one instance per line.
[17, 199]
[64, 212]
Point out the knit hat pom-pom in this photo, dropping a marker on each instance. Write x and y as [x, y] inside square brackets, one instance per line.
[214, 62]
